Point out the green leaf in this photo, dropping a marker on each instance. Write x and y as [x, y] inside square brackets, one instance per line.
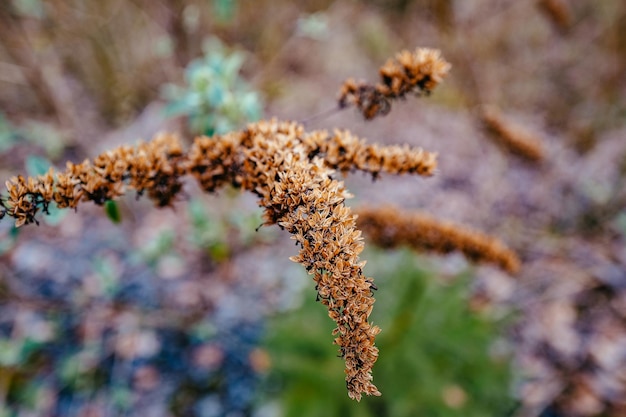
[232, 65]
[215, 94]
[44, 135]
[112, 210]
[7, 134]
[69, 369]
[30, 8]
[28, 347]
[29, 393]
[6, 244]
[10, 352]
[37, 165]
[55, 215]
[224, 10]
[178, 108]
[163, 243]
[251, 106]
[216, 99]
[219, 251]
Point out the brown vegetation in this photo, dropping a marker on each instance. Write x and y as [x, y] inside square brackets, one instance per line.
[290, 170]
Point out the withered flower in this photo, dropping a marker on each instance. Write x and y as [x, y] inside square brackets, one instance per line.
[290, 170]
[346, 152]
[26, 197]
[410, 72]
[511, 136]
[389, 227]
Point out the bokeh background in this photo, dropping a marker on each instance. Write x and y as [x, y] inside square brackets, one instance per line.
[128, 310]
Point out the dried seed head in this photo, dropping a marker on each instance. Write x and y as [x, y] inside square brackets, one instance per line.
[291, 171]
[410, 72]
[390, 227]
[511, 136]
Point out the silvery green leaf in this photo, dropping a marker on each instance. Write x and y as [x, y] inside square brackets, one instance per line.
[223, 125]
[176, 108]
[232, 65]
[224, 10]
[251, 106]
[215, 95]
[30, 8]
[37, 165]
[55, 215]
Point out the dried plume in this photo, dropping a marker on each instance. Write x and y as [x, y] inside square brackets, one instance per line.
[389, 227]
[511, 136]
[410, 72]
[290, 170]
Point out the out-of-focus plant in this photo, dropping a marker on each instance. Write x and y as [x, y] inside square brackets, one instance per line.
[102, 341]
[215, 99]
[224, 10]
[40, 134]
[67, 370]
[29, 8]
[7, 134]
[437, 357]
[313, 26]
[222, 234]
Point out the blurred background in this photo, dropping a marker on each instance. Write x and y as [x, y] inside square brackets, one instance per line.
[128, 310]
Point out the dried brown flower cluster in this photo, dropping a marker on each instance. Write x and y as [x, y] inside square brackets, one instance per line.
[419, 71]
[155, 167]
[390, 227]
[514, 138]
[290, 170]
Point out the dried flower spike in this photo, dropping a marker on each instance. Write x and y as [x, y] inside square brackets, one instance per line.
[512, 137]
[390, 227]
[290, 170]
[410, 72]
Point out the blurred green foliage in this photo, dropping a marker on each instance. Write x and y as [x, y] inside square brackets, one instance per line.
[42, 135]
[215, 99]
[224, 10]
[314, 26]
[112, 210]
[9, 239]
[437, 358]
[30, 8]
